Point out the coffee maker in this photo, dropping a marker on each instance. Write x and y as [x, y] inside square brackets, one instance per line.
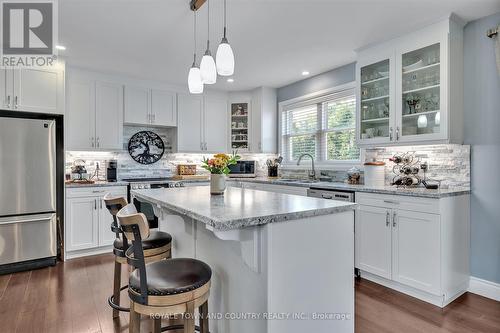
[111, 170]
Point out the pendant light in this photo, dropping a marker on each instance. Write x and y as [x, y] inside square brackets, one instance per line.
[225, 57]
[194, 78]
[207, 65]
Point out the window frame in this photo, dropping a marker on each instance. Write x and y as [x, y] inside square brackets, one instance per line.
[319, 98]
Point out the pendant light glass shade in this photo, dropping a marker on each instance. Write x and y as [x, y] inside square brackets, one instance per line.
[225, 58]
[208, 69]
[194, 80]
[195, 83]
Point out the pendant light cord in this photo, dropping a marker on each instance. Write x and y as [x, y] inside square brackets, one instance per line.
[208, 25]
[225, 19]
[194, 39]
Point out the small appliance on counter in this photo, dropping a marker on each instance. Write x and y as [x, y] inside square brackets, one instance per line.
[79, 172]
[375, 173]
[242, 169]
[111, 170]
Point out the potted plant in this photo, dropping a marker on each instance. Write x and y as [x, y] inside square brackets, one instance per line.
[219, 168]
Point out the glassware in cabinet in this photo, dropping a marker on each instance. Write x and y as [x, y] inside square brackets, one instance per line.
[421, 83]
[375, 100]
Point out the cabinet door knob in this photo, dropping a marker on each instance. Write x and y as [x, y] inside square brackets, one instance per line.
[394, 216]
[397, 133]
[8, 101]
[390, 134]
[387, 218]
[98, 143]
[92, 142]
[15, 102]
[95, 204]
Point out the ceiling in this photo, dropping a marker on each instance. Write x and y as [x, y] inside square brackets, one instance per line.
[273, 40]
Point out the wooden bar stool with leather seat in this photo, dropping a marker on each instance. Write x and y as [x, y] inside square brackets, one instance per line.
[156, 247]
[164, 288]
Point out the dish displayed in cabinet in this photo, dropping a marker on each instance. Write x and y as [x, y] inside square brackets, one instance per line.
[239, 126]
[421, 91]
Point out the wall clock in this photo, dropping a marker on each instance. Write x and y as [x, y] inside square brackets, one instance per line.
[146, 147]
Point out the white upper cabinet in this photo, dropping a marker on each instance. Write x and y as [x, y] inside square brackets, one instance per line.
[201, 124]
[409, 88]
[38, 90]
[190, 123]
[145, 106]
[264, 121]
[137, 105]
[94, 117]
[163, 108]
[80, 117]
[253, 121]
[109, 115]
[215, 124]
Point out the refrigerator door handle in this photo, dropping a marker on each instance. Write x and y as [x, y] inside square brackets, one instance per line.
[31, 218]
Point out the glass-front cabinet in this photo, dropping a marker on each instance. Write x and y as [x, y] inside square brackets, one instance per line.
[422, 78]
[410, 89]
[375, 107]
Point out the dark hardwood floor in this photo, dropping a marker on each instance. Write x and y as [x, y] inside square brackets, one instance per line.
[72, 297]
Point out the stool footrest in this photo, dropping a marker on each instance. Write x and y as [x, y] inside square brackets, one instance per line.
[111, 302]
[177, 327]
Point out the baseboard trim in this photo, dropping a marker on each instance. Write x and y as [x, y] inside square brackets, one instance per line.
[88, 252]
[484, 288]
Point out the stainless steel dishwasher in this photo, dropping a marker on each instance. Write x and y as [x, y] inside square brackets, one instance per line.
[330, 194]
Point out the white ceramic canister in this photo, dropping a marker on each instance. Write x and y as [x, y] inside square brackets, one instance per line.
[375, 174]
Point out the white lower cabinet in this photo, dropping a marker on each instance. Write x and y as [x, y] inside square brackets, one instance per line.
[418, 246]
[88, 221]
[82, 222]
[373, 240]
[416, 256]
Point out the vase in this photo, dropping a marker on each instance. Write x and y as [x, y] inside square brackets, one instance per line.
[217, 184]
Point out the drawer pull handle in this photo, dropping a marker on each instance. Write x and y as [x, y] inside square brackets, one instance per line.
[391, 202]
[387, 219]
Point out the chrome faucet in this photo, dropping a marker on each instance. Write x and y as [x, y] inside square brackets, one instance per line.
[312, 173]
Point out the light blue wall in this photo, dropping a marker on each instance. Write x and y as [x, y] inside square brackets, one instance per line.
[335, 77]
[482, 132]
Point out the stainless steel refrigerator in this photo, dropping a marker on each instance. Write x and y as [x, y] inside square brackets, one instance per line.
[27, 190]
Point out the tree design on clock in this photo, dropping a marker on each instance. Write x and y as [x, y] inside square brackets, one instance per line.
[146, 147]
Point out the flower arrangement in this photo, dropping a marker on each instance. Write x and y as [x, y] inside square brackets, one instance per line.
[220, 163]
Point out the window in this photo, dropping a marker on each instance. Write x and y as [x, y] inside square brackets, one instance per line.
[324, 127]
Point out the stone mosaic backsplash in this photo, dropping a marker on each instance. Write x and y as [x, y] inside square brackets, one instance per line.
[165, 167]
[449, 164]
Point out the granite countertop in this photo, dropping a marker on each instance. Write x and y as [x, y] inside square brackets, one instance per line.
[240, 208]
[96, 184]
[414, 191]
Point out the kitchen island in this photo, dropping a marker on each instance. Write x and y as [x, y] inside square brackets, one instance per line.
[281, 263]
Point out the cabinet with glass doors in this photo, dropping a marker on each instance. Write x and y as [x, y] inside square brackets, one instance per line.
[426, 86]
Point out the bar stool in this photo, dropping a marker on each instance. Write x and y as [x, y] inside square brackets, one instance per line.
[164, 288]
[156, 247]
